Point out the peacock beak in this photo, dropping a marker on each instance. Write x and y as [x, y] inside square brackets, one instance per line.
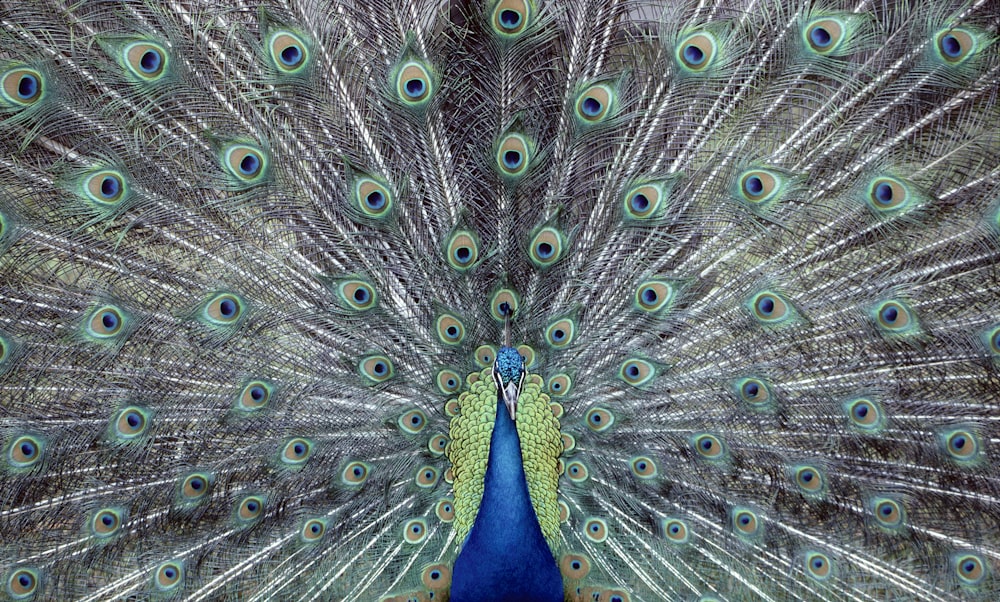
[510, 393]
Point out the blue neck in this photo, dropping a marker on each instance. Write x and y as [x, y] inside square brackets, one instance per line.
[505, 557]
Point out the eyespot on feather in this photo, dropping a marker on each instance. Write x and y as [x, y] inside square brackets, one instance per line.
[372, 198]
[146, 61]
[636, 372]
[358, 295]
[511, 17]
[596, 530]
[426, 477]
[574, 566]
[651, 296]
[413, 421]
[462, 251]
[824, 36]
[414, 531]
[355, 473]
[450, 330]
[223, 309]
[643, 467]
[25, 451]
[559, 384]
[643, 201]
[599, 419]
[250, 508]
[560, 333]
[955, 45]
[594, 104]
[445, 510]
[708, 446]
[746, 522]
[312, 530]
[196, 486]
[106, 188]
[296, 451]
[513, 155]
[22, 87]
[130, 422]
[288, 52]
[697, 52]
[448, 381]
[255, 395]
[23, 583]
[676, 530]
[818, 566]
[106, 522]
[247, 163]
[504, 302]
[577, 471]
[436, 576]
[376, 368]
[168, 576]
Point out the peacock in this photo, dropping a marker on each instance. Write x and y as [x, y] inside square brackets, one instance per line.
[500, 300]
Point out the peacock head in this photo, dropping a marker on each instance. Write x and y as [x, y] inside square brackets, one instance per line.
[508, 374]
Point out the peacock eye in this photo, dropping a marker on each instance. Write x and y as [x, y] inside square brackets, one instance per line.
[288, 52]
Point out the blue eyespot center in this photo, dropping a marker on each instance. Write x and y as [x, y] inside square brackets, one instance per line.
[249, 165]
[27, 86]
[227, 308]
[361, 295]
[861, 410]
[109, 320]
[291, 55]
[754, 185]
[649, 295]
[545, 250]
[890, 314]
[693, 54]
[463, 254]
[751, 389]
[380, 368]
[257, 393]
[883, 193]
[591, 106]
[512, 159]
[150, 61]
[639, 202]
[510, 19]
[820, 36]
[109, 187]
[951, 46]
[765, 305]
[415, 87]
[375, 200]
